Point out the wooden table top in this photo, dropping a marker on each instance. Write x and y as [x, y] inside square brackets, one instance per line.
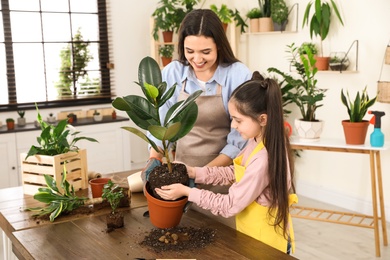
[77, 237]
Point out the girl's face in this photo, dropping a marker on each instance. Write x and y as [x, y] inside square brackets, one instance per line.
[201, 52]
[245, 125]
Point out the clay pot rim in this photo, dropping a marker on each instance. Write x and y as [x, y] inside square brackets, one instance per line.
[98, 180]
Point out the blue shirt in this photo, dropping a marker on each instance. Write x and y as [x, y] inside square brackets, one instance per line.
[229, 78]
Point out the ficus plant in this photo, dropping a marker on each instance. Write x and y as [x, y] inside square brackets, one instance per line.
[144, 111]
[56, 139]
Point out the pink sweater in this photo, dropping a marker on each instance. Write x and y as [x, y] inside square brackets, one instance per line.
[250, 188]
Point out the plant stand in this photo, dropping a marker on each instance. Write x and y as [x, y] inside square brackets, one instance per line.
[34, 168]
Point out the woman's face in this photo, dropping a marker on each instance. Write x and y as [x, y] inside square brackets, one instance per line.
[201, 52]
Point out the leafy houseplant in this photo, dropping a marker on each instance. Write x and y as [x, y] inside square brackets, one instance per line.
[166, 53]
[227, 15]
[355, 128]
[253, 15]
[304, 91]
[310, 45]
[144, 112]
[113, 194]
[265, 7]
[321, 19]
[279, 13]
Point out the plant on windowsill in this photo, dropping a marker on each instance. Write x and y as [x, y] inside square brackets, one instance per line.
[180, 118]
[227, 16]
[10, 123]
[21, 119]
[355, 128]
[97, 116]
[51, 118]
[320, 23]
[304, 91]
[113, 194]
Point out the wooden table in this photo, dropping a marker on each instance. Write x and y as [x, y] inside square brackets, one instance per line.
[359, 220]
[71, 237]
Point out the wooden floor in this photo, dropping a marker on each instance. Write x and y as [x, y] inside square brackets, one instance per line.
[326, 241]
[320, 240]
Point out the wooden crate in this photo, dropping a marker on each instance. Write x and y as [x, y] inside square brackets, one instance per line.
[36, 166]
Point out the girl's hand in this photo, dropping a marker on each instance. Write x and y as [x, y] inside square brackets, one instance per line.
[173, 191]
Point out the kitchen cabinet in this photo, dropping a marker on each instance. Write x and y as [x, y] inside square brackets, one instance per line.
[9, 176]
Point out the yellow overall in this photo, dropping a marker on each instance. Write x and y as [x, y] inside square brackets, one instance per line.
[254, 219]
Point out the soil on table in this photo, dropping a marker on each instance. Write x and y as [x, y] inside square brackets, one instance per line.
[179, 238]
[161, 176]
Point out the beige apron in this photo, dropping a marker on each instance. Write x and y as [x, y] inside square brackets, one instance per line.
[254, 219]
[206, 140]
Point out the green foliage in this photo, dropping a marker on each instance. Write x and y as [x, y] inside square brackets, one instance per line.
[254, 13]
[113, 194]
[227, 15]
[170, 13]
[8, 120]
[279, 11]
[304, 92]
[144, 112]
[55, 139]
[311, 46]
[321, 18]
[265, 7]
[21, 113]
[166, 51]
[58, 202]
[358, 107]
[74, 59]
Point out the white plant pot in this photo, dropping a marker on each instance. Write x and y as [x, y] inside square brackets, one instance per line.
[21, 121]
[98, 117]
[309, 131]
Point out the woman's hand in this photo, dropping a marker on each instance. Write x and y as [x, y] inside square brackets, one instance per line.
[173, 191]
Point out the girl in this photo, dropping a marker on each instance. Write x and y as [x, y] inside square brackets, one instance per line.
[261, 178]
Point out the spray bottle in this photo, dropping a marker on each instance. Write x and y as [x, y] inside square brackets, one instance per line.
[377, 138]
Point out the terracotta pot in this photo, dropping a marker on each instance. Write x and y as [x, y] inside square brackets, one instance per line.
[97, 186]
[355, 132]
[167, 36]
[10, 125]
[164, 214]
[165, 61]
[322, 63]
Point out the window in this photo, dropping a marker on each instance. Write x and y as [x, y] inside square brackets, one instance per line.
[55, 53]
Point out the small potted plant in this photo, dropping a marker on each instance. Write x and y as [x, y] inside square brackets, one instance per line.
[10, 123]
[97, 116]
[51, 118]
[180, 119]
[166, 53]
[357, 108]
[72, 118]
[113, 194]
[320, 23]
[227, 15]
[305, 93]
[254, 16]
[279, 14]
[338, 61]
[21, 119]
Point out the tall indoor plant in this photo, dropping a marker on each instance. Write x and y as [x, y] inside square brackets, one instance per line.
[304, 91]
[320, 23]
[355, 128]
[144, 112]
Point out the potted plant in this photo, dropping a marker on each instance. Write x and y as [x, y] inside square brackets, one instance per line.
[266, 24]
[227, 15]
[97, 116]
[338, 61]
[10, 123]
[21, 119]
[166, 53]
[56, 145]
[180, 119]
[254, 15]
[355, 128]
[320, 24]
[279, 14]
[168, 16]
[113, 194]
[304, 92]
[72, 118]
[311, 46]
[51, 118]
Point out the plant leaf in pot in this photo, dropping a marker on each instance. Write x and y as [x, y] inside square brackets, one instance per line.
[144, 112]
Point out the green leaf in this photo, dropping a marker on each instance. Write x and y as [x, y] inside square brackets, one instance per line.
[50, 182]
[149, 72]
[191, 98]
